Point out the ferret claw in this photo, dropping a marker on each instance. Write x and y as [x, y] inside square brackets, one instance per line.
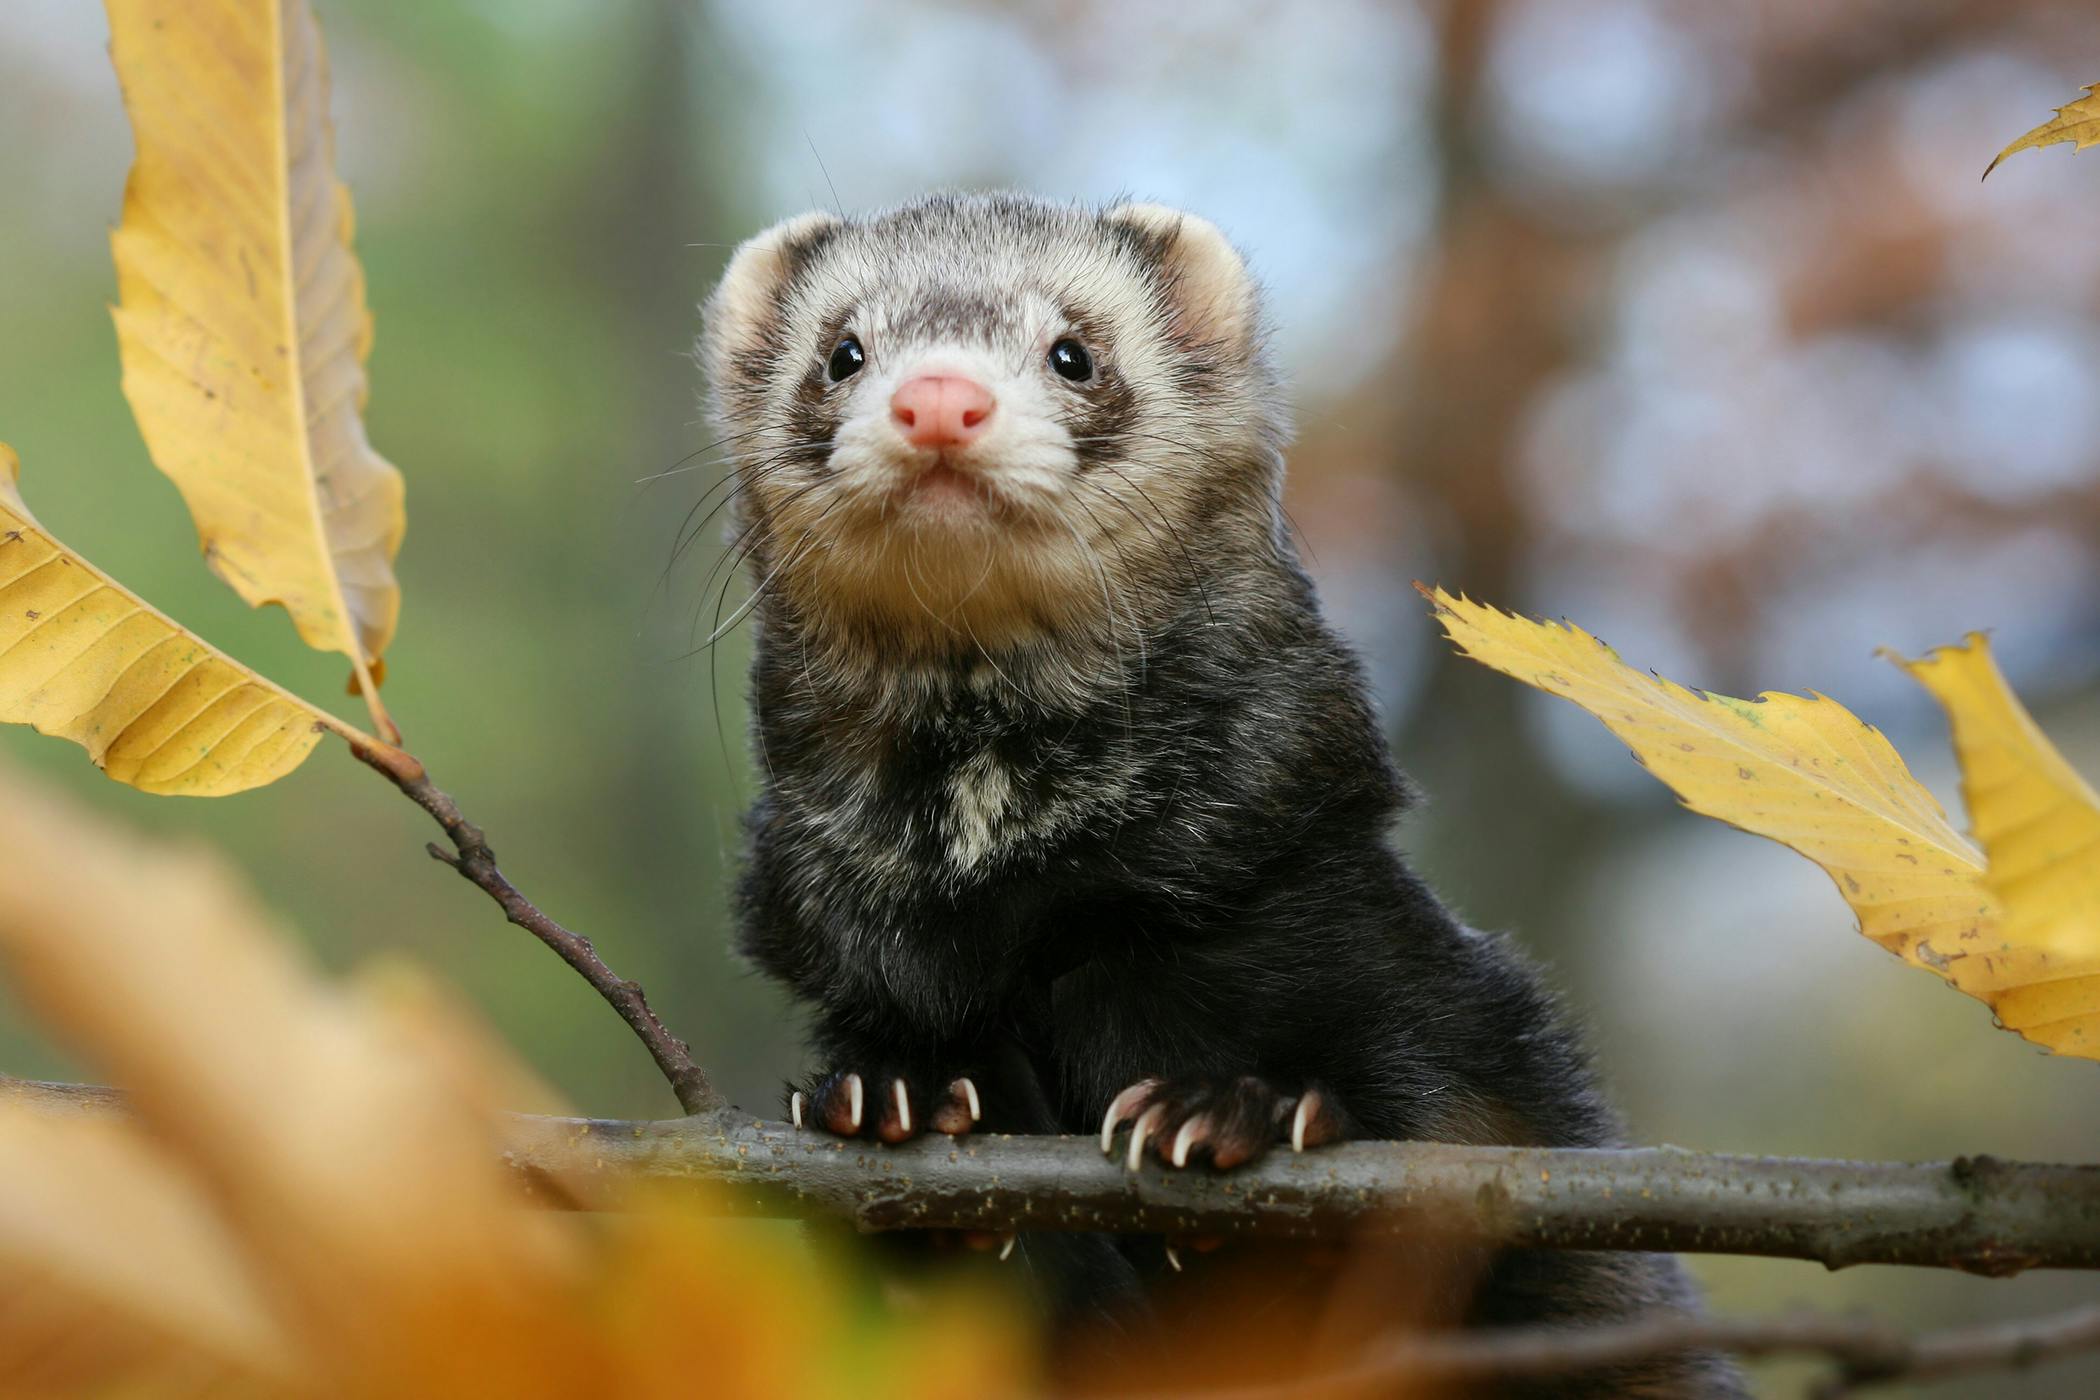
[969, 1089]
[853, 1094]
[1298, 1120]
[903, 1106]
[1174, 1258]
[1006, 1246]
[1180, 1153]
[795, 1107]
[1139, 1131]
[1121, 1107]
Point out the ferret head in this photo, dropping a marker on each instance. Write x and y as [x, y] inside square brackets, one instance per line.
[981, 422]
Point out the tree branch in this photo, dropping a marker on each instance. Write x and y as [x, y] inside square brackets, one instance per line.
[1976, 1214]
[472, 858]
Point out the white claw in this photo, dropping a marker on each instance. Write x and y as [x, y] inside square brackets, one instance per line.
[1006, 1246]
[1120, 1108]
[853, 1098]
[969, 1088]
[1141, 1130]
[1174, 1258]
[1298, 1121]
[903, 1105]
[795, 1107]
[1182, 1140]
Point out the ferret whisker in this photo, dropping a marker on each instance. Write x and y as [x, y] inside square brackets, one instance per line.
[1219, 459]
[680, 466]
[1108, 607]
[991, 563]
[689, 534]
[714, 668]
[738, 482]
[1190, 573]
[1000, 671]
[1137, 629]
[911, 559]
[747, 540]
[801, 549]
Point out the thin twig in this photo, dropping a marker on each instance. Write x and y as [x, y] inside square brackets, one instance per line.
[2001, 1346]
[1867, 1351]
[472, 858]
[1979, 1215]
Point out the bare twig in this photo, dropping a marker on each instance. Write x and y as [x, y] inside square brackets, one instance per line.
[1975, 1213]
[472, 858]
[2003, 1346]
[1866, 1350]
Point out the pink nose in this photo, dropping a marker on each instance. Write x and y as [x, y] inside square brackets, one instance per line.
[941, 410]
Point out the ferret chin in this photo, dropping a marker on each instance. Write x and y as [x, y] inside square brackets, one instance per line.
[1075, 811]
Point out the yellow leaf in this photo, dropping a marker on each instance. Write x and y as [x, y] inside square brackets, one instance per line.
[85, 659]
[1805, 772]
[241, 316]
[2039, 823]
[2079, 122]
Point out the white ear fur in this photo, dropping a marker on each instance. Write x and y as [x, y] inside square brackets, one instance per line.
[743, 298]
[1213, 296]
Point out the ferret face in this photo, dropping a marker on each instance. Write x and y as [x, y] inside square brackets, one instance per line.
[976, 422]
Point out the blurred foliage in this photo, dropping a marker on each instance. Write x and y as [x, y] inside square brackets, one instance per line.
[307, 1194]
[1690, 321]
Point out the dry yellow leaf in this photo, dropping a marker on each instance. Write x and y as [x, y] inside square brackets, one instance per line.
[1812, 776]
[2039, 823]
[86, 659]
[2079, 122]
[1806, 772]
[242, 320]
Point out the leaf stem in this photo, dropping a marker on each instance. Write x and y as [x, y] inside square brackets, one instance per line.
[367, 685]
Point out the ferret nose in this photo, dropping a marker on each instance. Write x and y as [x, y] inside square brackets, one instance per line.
[941, 410]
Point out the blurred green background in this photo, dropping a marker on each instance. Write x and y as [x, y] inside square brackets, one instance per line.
[1691, 323]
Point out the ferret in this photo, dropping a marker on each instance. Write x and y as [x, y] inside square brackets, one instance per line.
[1075, 812]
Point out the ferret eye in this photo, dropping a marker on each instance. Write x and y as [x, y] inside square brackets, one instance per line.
[846, 359]
[1071, 361]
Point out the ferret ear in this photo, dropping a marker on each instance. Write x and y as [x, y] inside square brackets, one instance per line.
[741, 307]
[1213, 297]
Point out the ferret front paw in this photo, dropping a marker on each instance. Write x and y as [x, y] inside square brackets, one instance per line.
[1227, 1120]
[889, 1106]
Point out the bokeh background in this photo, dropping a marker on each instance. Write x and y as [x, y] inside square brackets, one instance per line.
[1690, 322]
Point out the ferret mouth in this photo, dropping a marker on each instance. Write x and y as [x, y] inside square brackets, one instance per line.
[944, 490]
